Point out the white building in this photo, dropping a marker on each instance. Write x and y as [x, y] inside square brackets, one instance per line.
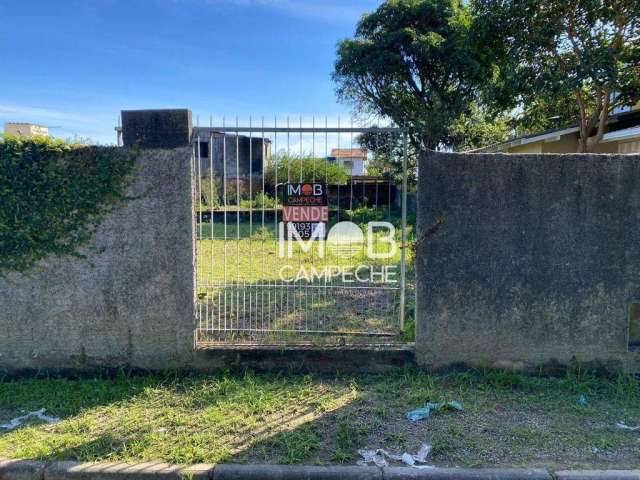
[25, 130]
[352, 159]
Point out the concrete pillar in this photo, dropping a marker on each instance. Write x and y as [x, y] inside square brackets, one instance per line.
[170, 128]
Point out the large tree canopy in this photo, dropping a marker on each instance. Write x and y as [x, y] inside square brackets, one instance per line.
[549, 51]
[411, 61]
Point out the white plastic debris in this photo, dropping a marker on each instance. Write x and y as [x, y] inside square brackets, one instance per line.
[380, 457]
[408, 459]
[18, 421]
[624, 426]
[376, 457]
[423, 453]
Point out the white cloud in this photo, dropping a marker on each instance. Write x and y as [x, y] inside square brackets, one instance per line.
[41, 114]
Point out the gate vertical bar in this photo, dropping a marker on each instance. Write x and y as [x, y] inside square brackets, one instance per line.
[250, 220]
[237, 286]
[403, 251]
[224, 245]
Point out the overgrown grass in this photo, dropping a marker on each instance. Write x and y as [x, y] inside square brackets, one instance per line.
[509, 418]
[258, 259]
[243, 262]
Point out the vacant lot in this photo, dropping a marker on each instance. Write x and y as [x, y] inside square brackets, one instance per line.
[508, 419]
[247, 287]
[237, 256]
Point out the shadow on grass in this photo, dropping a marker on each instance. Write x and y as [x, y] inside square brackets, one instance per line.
[509, 418]
[66, 396]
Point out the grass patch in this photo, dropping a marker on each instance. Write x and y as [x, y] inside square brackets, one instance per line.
[509, 419]
[244, 281]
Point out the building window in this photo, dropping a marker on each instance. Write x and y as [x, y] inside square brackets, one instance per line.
[348, 164]
[204, 149]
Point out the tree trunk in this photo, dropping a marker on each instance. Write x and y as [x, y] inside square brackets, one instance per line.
[587, 143]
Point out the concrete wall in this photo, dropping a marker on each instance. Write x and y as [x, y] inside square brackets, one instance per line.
[130, 301]
[536, 262]
[168, 128]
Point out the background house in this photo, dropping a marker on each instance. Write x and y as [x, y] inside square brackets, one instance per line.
[25, 130]
[244, 155]
[353, 159]
[623, 136]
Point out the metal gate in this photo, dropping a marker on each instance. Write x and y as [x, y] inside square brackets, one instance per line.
[300, 233]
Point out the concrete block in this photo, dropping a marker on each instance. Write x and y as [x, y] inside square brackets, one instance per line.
[156, 128]
[21, 469]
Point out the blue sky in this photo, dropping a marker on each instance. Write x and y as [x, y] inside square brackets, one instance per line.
[74, 64]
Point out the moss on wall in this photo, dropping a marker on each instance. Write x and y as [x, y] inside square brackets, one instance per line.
[53, 194]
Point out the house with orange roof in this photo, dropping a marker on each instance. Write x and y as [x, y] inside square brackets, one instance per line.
[352, 159]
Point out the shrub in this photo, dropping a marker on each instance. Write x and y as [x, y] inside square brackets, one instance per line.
[211, 192]
[258, 200]
[310, 169]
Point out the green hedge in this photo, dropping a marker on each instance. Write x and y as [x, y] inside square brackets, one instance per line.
[53, 194]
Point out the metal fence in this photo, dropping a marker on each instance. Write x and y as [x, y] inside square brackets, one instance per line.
[259, 278]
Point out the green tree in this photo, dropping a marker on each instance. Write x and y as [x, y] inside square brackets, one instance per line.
[549, 51]
[386, 152]
[480, 128]
[411, 61]
[544, 113]
[305, 169]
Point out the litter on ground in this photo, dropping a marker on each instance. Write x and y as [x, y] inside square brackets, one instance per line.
[18, 421]
[582, 400]
[424, 412]
[380, 457]
[624, 426]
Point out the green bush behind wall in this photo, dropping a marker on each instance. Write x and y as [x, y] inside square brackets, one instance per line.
[53, 195]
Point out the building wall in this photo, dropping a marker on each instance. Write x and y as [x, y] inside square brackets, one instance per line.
[242, 155]
[527, 148]
[629, 147]
[129, 301]
[566, 144]
[358, 165]
[25, 130]
[608, 148]
[536, 262]
[569, 144]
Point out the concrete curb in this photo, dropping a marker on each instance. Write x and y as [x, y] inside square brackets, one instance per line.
[124, 471]
[598, 474]
[21, 469]
[37, 470]
[294, 472]
[398, 473]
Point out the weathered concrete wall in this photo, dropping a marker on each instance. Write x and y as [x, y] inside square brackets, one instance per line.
[536, 262]
[130, 301]
[168, 128]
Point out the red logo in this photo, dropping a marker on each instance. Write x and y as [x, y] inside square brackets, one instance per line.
[307, 189]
